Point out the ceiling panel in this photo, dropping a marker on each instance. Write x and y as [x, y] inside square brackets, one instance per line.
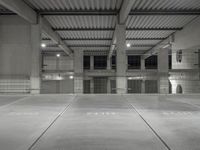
[166, 4]
[75, 4]
[148, 34]
[82, 21]
[158, 21]
[85, 34]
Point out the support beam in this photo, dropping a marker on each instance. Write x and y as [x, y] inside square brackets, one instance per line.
[152, 29]
[20, 8]
[163, 70]
[125, 10]
[164, 12]
[121, 60]
[79, 13]
[23, 10]
[105, 39]
[155, 49]
[35, 77]
[123, 15]
[83, 29]
[112, 29]
[46, 27]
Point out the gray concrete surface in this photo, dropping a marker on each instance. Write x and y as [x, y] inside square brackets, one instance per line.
[101, 122]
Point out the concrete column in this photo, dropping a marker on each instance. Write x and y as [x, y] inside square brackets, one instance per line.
[143, 86]
[163, 69]
[108, 86]
[121, 59]
[92, 85]
[91, 62]
[108, 63]
[35, 77]
[78, 71]
[142, 64]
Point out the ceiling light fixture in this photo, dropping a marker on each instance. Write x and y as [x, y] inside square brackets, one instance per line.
[43, 45]
[71, 77]
[128, 45]
[166, 46]
[57, 55]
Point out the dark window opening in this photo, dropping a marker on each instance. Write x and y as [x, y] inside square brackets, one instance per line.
[113, 62]
[151, 62]
[86, 86]
[86, 62]
[100, 62]
[134, 62]
[170, 61]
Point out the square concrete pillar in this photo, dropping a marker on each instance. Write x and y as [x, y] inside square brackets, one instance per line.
[35, 77]
[142, 62]
[92, 85]
[143, 86]
[163, 69]
[108, 63]
[121, 60]
[78, 71]
[108, 86]
[91, 62]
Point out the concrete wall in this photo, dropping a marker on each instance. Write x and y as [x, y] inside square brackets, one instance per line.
[53, 63]
[187, 40]
[15, 47]
[188, 86]
[15, 54]
[64, 86]
[61, 63]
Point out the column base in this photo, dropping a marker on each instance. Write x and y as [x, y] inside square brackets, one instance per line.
[35, 85]
[78, 85]
[121, 85]
[163, 85]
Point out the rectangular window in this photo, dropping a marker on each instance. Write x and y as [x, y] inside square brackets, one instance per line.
[86, 86]
[151, 62]
[170, 61]
[113, 63]
[134, 62]
[100, 62]
[86, 62]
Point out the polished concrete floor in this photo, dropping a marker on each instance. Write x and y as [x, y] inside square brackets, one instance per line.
[100, 122]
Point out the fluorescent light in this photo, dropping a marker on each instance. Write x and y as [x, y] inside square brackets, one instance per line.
[166, 46]
[128, 45]
[43, 45]
[58, 55]
[71, 77]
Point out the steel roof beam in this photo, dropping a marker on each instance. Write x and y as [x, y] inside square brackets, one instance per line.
[83, 29]
[112, 29]
[107, 39]
[47, 29]
[123, 15]
[164, 12]
[79, 13]
[20, 8]
[152, 29]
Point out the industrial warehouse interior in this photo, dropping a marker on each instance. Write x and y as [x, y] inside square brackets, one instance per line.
[99, 74]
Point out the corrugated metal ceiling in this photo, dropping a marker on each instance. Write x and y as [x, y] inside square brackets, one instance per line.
[158, 21]
[75, 4]
[143, 42]
[166, 4]
[85, 34]
[88, 42]
[82, 21]
[109, 21]
[148, 34]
